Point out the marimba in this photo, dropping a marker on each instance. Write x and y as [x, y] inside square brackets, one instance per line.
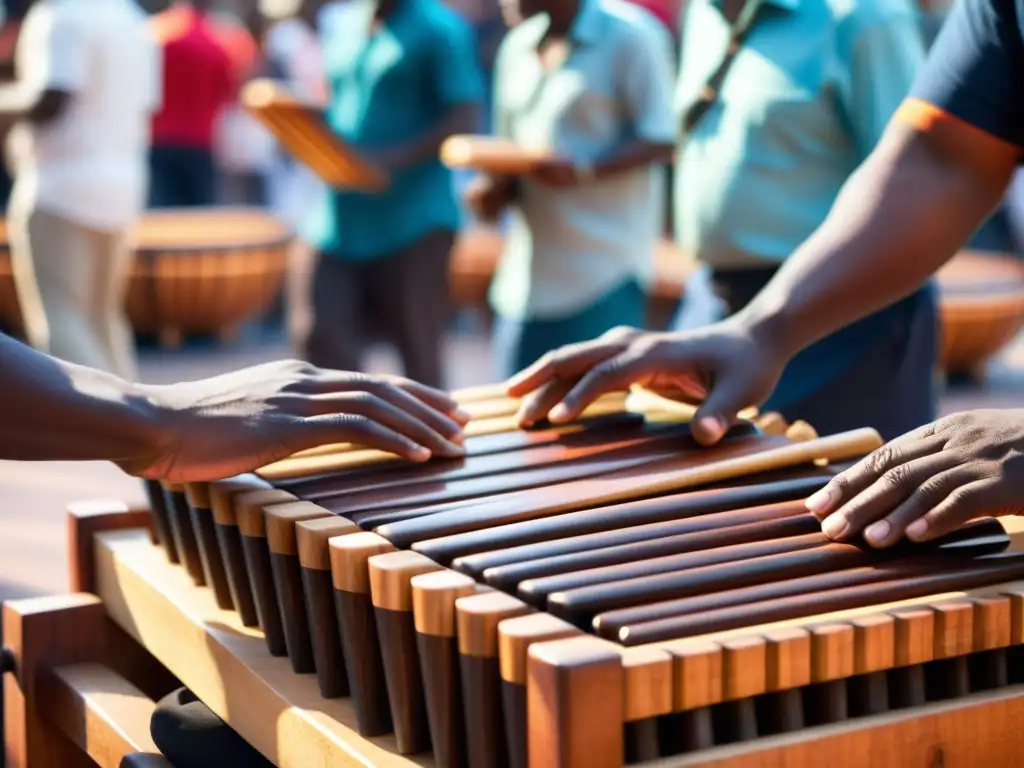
[589, 595]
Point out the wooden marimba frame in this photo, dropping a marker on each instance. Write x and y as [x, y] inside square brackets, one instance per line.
[581, 596]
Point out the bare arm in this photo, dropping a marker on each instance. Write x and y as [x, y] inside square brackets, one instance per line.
[900, 217]
[57, 411]
[203, 430]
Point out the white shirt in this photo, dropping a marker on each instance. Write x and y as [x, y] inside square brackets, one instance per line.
[565, 249]
[90, 164]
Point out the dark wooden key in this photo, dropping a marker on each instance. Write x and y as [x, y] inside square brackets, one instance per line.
[780, 521]
[474, 552]
[229, 540]
[358, 629]
[200, 508]
[315, 560]
[161, 518]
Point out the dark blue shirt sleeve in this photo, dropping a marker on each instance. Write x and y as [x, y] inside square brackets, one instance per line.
[975, 69]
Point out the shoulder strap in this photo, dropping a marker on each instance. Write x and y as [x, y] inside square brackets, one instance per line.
[709, 94]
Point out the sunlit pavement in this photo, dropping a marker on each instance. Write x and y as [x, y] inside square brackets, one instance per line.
[33, 496]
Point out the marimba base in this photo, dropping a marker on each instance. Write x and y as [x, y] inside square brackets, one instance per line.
[58, 713]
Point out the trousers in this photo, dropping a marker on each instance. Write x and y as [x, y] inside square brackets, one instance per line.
[71, 281]
[402, 298]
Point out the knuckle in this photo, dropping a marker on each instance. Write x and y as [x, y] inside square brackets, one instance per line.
[895, 478]
[878, 462]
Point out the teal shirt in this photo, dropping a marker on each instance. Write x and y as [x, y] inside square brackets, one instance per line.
[386, 88]
[806, 100]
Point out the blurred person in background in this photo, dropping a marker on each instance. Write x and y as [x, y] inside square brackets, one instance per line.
[590, 80]
[402, 77]
[87, 84]
[294, 58]
[199, 82]
[808, 89]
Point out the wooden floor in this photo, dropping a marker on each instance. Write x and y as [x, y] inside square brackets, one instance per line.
[33, 496]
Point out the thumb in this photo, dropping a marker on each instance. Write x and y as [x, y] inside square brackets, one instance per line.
[718, 411]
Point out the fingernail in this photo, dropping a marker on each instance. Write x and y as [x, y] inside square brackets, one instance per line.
[819, 501]
[462, 415]
[453, 449]
[419, 453]
[917, 529]
[877, 533]
[712, 426]
[559, 413]
[835, 526]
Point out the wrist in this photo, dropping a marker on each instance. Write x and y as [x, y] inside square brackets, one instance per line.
[772, 326]
[144, 424]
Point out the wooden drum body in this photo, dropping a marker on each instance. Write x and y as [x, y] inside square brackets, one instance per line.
[585, 596]
[981, 308]
[205, 270]
[196, 271]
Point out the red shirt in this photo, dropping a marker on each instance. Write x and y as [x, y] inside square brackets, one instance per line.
[198, 79]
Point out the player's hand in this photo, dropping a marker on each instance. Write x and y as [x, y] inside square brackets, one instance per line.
[487, 195]
[724, 368]
[240, 421]
[556, 172]
[930, 481]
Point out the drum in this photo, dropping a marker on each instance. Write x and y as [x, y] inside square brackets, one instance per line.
[981, 308]
[197, 271]
[205, 270]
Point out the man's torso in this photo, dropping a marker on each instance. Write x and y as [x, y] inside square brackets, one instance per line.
[89, 163]
[566, 248]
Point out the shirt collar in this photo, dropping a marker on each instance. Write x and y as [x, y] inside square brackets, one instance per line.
[585, 29]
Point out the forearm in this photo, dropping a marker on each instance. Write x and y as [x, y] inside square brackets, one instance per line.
[464, 118]
[53, 411]
[637, 153]
[907, 211]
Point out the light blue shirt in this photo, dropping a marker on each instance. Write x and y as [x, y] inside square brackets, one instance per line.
[386, 87]
[806, 100]
[567, 249]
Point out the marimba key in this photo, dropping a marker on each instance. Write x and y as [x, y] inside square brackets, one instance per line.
[648, 697]
[697, 683]
[357, 627]
[537, 591]
[933, 578]
[478, 618]
[743, 678]
[915, 647]
[832, 663]
[875, 641]
[283, 543]
[434, 596]
[313, 536]
[181, 529]
[229, 540]
[787, 671]
[992, 635]
[161, 519]
[252, 529]
[624, 546]
[197, 496]
[476, 551]
[391, 577]
[954, 641]
[515, 636]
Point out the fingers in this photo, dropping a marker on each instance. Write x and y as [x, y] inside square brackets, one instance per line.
[435, 398]
[570, 361]
[904, 491]
[844, 486]
[350, 428]
[613, 374]
[538, 404]
[401, 413]
[965, 502]
[728, 396]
